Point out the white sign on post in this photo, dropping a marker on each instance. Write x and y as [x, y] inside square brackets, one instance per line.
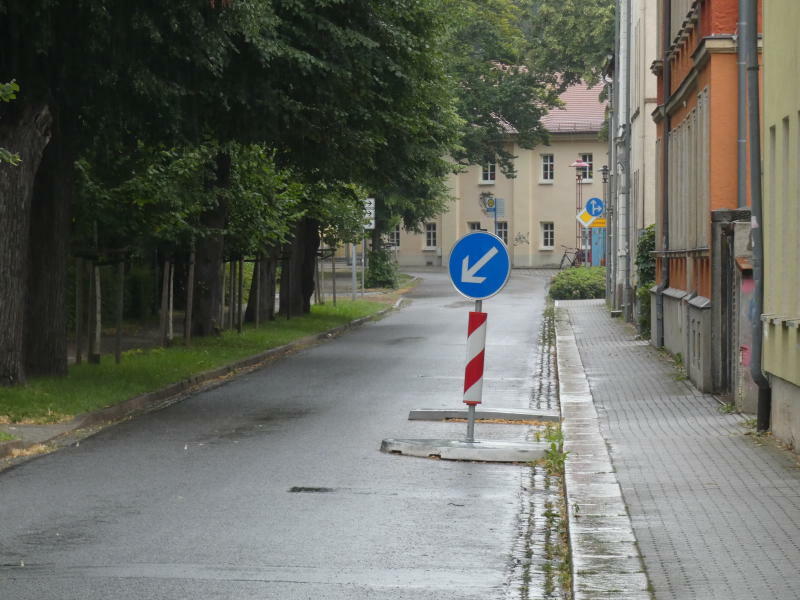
[369, 213]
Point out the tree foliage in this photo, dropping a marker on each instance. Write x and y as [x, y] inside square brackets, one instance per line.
[499, 94]
[253, 127]
[572, 38]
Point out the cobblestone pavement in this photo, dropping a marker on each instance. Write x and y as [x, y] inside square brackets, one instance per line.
[715, 512]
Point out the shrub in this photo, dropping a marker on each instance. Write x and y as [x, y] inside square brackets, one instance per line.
[643, 296]
[646, 270]
[645, 261]
[381, 270]
[579, 283]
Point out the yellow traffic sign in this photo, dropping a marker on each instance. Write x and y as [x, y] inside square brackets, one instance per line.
[599, 222]
[584, 218]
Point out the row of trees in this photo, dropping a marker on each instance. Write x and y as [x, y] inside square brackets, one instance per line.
[211, 130]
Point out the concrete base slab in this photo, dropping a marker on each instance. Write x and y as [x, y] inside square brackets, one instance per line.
[504, 414]
[479, 450]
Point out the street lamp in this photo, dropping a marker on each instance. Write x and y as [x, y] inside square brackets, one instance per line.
[581, 167]
[607, 232]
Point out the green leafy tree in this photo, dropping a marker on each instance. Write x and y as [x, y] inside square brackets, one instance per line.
[571, 38]
[313, 79]
[500, 95]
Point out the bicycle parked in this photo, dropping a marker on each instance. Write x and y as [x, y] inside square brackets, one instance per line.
[572, 257]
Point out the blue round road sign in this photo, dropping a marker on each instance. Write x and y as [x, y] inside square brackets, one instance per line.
[479, 265]
[595, 207]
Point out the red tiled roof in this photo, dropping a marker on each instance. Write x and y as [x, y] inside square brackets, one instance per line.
[582, 111]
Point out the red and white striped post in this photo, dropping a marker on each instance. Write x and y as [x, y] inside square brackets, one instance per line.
[473, 372]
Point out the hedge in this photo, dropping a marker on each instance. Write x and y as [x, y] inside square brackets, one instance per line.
[579, 283]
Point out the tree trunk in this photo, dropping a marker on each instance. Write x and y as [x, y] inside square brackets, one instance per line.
[257, 280]
[224, 284]
[171, 303]
[187, 321]
[97, 317]
[28, 136]
[46, 311]
[78, 310]
[163, 311]
[240, 297]
[297, 278]
[90, 311]
[263, 288]
[231, 292]
[208, 283]
[120, 308]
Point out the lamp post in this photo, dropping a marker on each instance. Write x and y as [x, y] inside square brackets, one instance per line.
[579, 165]
[607, 231]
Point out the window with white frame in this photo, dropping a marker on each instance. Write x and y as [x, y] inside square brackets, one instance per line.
[430, 235]
[488, 173]
[474, 225]
[393, 238]
[502, 231]
[548, 173]
[548, 235]
[587, 172]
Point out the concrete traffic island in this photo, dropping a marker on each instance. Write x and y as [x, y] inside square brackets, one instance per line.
[484, 414]
[478, 450]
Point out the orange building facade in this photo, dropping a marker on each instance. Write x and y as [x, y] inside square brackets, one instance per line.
[694, 297]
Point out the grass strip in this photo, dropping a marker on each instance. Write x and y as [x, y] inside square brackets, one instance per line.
[6, 437]
[90, 387]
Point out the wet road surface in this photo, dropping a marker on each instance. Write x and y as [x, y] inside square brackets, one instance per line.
[272, 486]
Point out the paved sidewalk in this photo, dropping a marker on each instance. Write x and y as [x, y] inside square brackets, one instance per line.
[715, 514]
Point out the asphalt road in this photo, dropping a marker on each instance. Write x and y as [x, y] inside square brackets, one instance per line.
[273, 486]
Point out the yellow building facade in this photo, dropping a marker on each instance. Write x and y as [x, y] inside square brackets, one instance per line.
[781, 318]
[536, 210]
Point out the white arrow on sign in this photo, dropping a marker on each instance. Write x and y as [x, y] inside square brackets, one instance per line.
[468, 273]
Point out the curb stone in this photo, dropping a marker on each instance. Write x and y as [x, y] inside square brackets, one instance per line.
[606, 562]
[176, 392]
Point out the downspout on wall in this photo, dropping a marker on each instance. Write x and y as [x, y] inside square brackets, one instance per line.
[741, 142]
[628, 300]
[667, 84]
[607, 193]
[751, 41]
[612, 226]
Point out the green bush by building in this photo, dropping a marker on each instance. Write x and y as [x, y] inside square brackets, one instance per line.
[579, 283]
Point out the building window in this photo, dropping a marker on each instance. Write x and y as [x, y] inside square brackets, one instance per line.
[548, 168]
[502, 231]
[488, 173]
[393, 238]
[474, 225]
[430, 235]
[548, 235]
[587, 172]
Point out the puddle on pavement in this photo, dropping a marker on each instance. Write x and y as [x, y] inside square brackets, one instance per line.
[404, 340]
[311, 490]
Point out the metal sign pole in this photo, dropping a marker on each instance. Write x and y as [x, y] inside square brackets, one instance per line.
[353, 263]
[363, 265]
[471, 407]
[479, 267]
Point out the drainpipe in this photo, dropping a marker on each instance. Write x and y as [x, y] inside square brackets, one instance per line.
[664, 179]
[764, 391]
[612, 225]
[741, 142]
[628, 299]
